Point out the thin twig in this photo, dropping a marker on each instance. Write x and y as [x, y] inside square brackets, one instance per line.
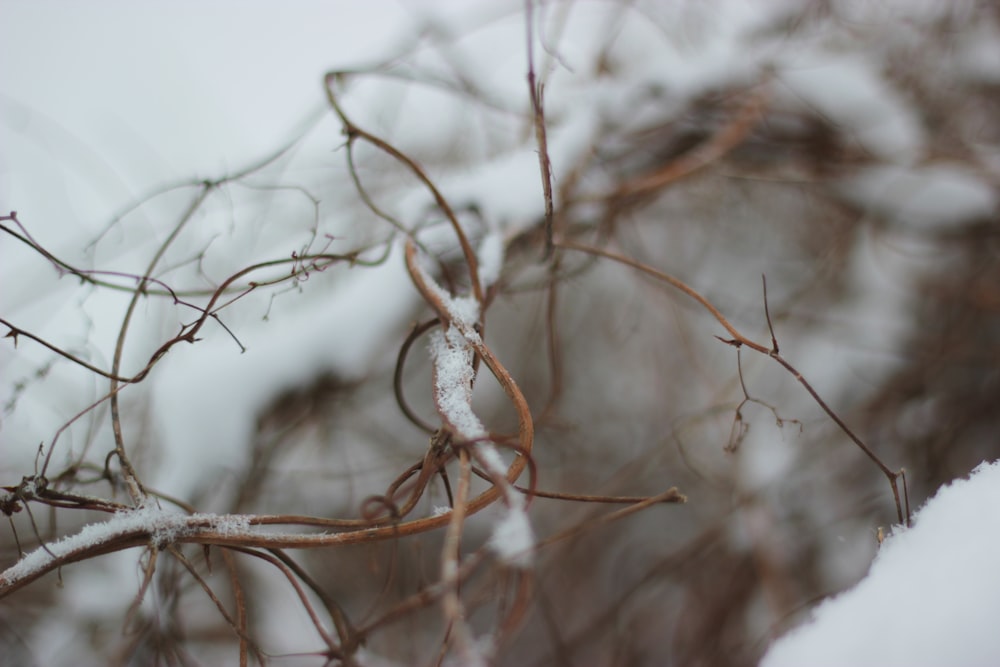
[536, 93]
[737, 340]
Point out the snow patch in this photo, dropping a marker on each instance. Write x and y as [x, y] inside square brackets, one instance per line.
[925, 198]
[490, 257]
[206, 398]
[163, 527]
[932, 596]
[849, 91]
[453, 373]
[513, 539]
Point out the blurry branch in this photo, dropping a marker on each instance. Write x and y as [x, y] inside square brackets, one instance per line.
[132, 481]
[503, 377]
[536, 95]
[397, 378]
[394, 514]
[238, 624]
[671, 495]
[746, 117]
[36, 489]
[284, 565]
[301, 266]
[451, 601]
[738, 340]
[239, 600]
[740, 427]
[354, 132]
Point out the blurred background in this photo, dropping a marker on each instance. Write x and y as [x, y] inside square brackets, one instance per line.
[846, 150]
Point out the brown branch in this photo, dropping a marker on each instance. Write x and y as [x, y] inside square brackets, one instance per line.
[397, 377]
[526, 429]
[353, 131]
[732, 135]
[738, 340]
[536, 92]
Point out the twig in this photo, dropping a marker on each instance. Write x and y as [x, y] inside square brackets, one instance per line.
[536, 92]
[739, 340]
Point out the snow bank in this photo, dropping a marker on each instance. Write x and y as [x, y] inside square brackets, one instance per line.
[932, 596]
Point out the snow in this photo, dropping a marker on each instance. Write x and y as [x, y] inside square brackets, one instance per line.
[123, 82]
[849, 91]
[452, 356]
[103, 129]
[490, 258]
[343, 333]
[978, 54]
[165, 527]
[451, 348]
[508, 186]
[931, 597]
[464, 311]
[922, 198]
[513, 539]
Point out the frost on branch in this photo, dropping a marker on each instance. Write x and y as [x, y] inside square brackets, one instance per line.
[162, 527]
[453, 375]
[452, 351]
[513, 539]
